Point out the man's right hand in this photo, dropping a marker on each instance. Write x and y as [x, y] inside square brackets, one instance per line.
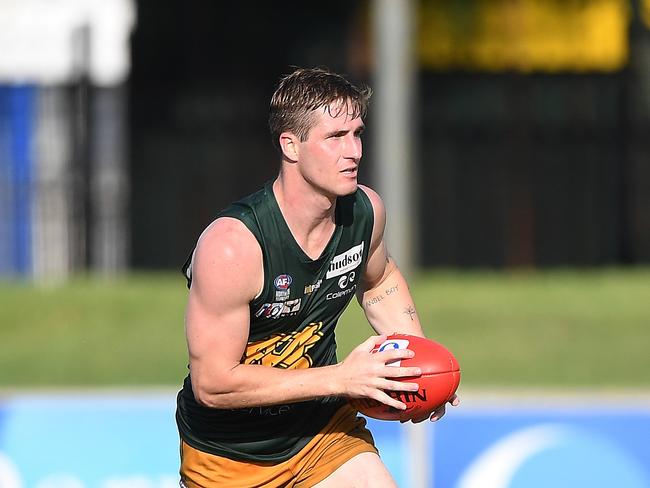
[364, 374]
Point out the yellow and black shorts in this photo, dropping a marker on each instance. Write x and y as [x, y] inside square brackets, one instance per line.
[344, 437]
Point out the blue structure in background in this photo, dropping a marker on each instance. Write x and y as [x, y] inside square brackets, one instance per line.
[535, 448]
[109, 441]
[86, 441]
[17, 106]
[392, 442]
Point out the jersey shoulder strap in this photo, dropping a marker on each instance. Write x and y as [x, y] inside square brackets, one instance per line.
[248, 210]
[259, 208]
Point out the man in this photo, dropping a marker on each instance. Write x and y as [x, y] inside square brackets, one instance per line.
[265, 402]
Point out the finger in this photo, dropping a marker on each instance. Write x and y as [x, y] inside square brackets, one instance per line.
[395, 354]
[393, 372]
[399, 386]
[388, 400]
[371, 342]
[437, 414]
[455, 401]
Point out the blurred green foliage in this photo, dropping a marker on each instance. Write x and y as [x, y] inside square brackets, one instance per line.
[538, 328]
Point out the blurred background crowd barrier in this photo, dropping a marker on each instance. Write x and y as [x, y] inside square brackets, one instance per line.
[513, 444]
[63, 127]
[523, 125]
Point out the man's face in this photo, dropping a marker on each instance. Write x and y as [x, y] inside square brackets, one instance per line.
[329, 158]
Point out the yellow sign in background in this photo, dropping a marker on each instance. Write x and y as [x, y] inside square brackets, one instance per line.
[525, 35]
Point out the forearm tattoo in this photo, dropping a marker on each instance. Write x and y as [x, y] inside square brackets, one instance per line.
[378, 298]
[410, 311]
[374, 300]
[392, 289]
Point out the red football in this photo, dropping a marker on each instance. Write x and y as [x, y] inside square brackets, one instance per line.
[438, 383]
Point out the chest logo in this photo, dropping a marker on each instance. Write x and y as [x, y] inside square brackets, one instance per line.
[282, 282]
[346, 280]
[287, 351]
[309, 289]
[276, 310]
[347, 261]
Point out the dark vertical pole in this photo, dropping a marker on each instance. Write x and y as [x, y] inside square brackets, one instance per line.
[81, 152]
[634, 227]
[108, 180]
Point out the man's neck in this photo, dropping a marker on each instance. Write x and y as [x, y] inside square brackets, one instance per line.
[308, 213]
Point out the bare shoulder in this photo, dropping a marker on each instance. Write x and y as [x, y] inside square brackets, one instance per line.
[375, 199]
[228, 255]
[379, 211]
[228, 235]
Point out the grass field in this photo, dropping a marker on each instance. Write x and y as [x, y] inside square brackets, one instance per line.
[534, 329]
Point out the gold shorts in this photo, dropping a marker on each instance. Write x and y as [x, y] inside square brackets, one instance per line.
[344, 437]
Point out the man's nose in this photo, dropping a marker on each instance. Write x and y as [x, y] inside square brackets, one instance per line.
[353, 148]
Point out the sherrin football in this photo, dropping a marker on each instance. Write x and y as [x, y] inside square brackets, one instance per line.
[438, 383]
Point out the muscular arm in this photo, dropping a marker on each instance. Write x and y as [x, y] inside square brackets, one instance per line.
[384, 294]
[227, 273]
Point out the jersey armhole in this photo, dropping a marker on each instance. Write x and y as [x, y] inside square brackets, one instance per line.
[189, 263]
[368, 207]
[262, 289]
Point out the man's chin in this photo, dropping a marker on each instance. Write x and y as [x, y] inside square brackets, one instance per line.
[348, 189]
[340, 190]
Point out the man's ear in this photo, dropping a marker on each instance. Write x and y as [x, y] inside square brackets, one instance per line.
[289, 145]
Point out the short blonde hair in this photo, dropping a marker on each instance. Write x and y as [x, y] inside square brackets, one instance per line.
[307, 89]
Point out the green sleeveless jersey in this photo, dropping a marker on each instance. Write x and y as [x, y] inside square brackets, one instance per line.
[292, 325]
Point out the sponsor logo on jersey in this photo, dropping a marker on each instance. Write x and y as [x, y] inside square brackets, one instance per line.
[282, 282]
[271, 411]
[276, 310]
[282, 295]
[270, 310]
[309, 289]
[340, 294]
[347, 261]
[346, 280]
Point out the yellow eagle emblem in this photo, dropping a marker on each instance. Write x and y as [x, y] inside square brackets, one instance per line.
[287, 351]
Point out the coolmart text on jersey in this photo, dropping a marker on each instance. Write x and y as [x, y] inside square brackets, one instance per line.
[342, 263]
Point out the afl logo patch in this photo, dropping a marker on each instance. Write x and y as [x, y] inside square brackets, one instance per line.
[282, 282]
